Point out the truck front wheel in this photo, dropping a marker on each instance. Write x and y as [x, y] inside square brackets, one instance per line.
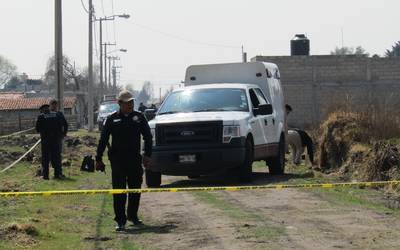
[246, 169]
[276, 164]
[153, 179]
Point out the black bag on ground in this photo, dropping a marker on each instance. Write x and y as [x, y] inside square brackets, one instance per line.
[87, 164]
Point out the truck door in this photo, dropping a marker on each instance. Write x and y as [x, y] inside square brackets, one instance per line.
[267, 121]
[256, 122]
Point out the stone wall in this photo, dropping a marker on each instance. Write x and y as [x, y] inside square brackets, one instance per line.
[315, 85]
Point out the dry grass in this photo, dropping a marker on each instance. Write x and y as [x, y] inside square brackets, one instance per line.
[23, 235]
[382, 163]
[354, 141]
[379, 119]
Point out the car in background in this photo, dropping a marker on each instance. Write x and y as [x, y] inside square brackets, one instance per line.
[106, 109]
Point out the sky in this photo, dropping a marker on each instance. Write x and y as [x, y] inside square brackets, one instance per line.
[164, 37]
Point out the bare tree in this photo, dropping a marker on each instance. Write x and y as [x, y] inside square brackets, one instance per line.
[72, 78]
[145, 95]
[7, 71]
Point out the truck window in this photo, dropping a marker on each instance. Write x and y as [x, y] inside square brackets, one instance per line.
[254, 99]
[277, 75]
[261, 96]
[205, 100]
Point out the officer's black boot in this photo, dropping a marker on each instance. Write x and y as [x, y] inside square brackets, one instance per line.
[120, 227]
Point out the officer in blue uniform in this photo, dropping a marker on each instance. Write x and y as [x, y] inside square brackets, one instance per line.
[125, 127]
[50, 126]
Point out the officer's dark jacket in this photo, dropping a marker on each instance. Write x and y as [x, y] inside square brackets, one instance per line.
[125, 131]
[64, 123]
[51, 126]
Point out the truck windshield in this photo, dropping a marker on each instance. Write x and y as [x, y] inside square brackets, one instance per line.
[205, 100]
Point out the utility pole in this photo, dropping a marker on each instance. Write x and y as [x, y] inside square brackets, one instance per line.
[101, 60]
[114, 73]
[109, 74]
[112, 81]
[101, 19]
[105, 64]
[244, 55]
[105, 68]
[59, 54]
[90, 69]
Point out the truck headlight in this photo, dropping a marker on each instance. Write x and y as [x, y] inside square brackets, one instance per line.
[230, 132]
[153, 134]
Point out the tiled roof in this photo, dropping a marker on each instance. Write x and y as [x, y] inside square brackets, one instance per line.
[11, 95]
[31, 103]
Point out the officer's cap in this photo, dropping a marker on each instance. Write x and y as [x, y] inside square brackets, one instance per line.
[125, 96]
[44, 106]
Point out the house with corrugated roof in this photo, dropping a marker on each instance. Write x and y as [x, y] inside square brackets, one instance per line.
[17, 112]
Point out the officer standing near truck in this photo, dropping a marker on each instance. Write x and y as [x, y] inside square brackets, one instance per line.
[126, 127]
[50, 126]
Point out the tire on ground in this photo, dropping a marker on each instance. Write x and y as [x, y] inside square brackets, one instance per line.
[245, 170]
[276, 164]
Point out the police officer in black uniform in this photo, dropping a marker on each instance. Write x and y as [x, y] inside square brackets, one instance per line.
[50, 126]
[54, 107]
[125, 126]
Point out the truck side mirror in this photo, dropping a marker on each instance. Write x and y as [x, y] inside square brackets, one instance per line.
[263, 109]
[149, 114]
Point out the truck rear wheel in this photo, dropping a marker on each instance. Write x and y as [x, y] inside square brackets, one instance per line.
[246, 169]
[276, 164]
[153, 179]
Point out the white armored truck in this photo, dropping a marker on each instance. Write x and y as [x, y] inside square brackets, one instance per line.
[226, 117]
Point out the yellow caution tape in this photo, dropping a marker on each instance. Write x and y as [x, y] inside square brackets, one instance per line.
[198, 189]
[22, 157]
[17, 133]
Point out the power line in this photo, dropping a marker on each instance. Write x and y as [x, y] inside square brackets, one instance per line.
[84, 7]
[185, 39]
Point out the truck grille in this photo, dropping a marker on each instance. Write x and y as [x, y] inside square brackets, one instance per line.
[189, 133]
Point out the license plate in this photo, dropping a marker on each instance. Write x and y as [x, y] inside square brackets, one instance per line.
[187, 158]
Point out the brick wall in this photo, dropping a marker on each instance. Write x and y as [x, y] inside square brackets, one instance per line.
[13, 121]
[313, 85]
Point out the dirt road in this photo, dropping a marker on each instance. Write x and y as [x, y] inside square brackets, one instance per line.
[266, 219]
[258, 219]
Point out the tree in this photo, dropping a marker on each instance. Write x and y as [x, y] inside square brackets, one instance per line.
[14, 83]
[145, 95]
[130, 88]
[7, 71]
[395, 51]
[167, 93]
[72, 78]
[350, 51]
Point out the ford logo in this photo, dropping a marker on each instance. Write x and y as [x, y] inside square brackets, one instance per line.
[187, 133]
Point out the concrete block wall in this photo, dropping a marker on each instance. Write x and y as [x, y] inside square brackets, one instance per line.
[13, 121]
[314, 85]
